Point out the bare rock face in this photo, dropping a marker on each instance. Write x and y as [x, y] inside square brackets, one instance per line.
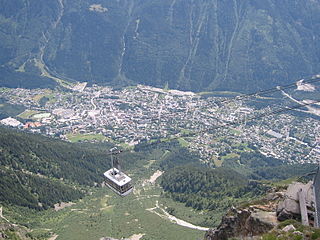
[289, 208]
[289, 228]
[243, 223]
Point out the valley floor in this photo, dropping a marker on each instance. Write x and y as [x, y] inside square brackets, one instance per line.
[104, 214]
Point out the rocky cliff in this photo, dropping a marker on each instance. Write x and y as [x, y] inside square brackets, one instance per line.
[270, 213]
[243, 223]
[191, 45]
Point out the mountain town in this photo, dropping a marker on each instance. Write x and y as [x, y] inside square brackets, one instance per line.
[215, 127]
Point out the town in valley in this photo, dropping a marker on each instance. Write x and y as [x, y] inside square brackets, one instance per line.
[216, 127]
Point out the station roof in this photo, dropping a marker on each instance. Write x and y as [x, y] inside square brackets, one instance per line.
[119, 178]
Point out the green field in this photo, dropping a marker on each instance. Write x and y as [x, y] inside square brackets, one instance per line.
[183, 142]
[27, 114]
[105, 214]
[217, 162]
[85, 137]
[49, 95]
[219, 94]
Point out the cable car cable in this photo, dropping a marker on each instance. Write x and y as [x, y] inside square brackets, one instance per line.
[281, 110]
[271, 90]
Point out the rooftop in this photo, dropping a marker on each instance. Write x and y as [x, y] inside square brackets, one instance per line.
[119, 178]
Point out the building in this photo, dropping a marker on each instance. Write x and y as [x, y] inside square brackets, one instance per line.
[274, 134]
[11, 122]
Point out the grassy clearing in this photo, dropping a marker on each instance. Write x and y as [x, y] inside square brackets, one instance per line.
[105, 214]
[41, 115]
[218, 162]
[47, 94]
[230, 155]
[27, 114]
[178, 210]
[85, 137]
[4, 89]
[45, 73]
[219, 94]
[183, 142]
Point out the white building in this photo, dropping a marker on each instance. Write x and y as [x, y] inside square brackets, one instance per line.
[11, 122]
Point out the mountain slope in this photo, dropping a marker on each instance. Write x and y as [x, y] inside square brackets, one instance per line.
[194, 45]
[37, 171]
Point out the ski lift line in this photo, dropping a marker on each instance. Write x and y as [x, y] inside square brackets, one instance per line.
[271, 90]
[284, 109]
[281, 110]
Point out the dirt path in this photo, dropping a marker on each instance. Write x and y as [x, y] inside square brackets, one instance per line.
[174, 219]
[1, 215]
[62, 205]
[54, 237]
[136, 236]
[155, 176]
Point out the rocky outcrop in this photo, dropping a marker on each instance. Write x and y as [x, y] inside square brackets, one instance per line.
[258, 219]
[243, 223]
[13, 231]
[288, 207]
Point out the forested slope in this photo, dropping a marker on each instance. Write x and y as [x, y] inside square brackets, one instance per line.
[239, 179]
[240, 45]
[38, 171]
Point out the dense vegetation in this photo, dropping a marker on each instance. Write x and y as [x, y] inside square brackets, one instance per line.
[15, 79]
[37, 172]
[51, 157]
[259, 167]
[9, 110]
[241, 178]
[211, 189]
[37, 169]
[171, 153]
[34, 191]
[196, 45]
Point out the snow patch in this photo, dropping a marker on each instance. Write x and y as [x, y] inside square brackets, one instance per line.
[301, 86]
[98, 8]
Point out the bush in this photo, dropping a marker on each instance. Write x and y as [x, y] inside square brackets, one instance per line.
[288, 222]
[269, 236]
[316, 234]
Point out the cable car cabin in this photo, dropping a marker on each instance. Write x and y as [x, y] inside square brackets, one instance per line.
[118, 182]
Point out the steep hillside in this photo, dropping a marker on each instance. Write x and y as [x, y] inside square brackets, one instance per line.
[197, 45]
[37, 171]
[50, 157]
